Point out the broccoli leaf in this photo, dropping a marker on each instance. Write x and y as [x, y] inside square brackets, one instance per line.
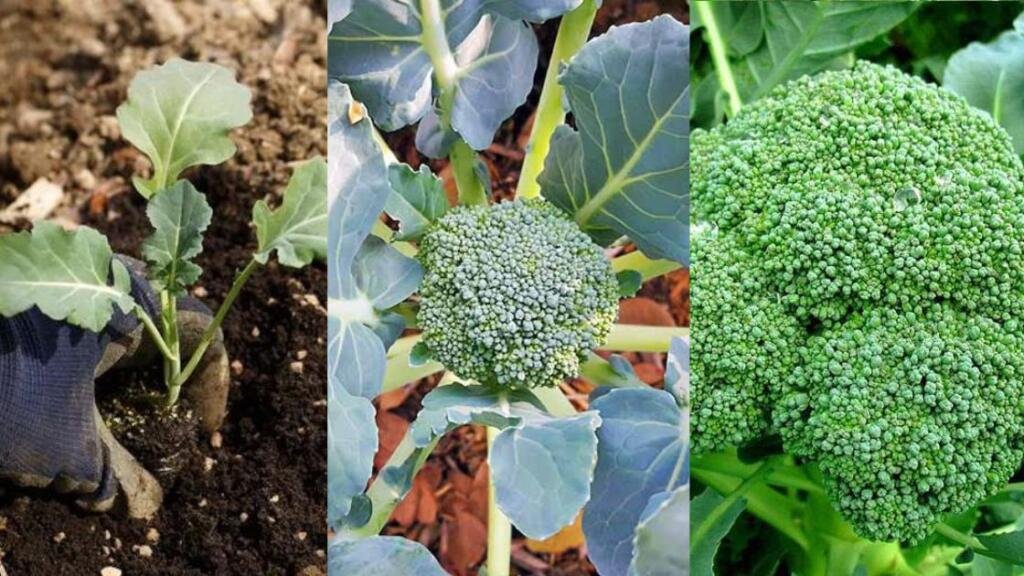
[711, 517]
[625, 171]
[418, 199]
[662, 543]
[357, 191]
[380, 50]
[447, 407]
[641, 454]
[542, 471]
[179, 115]
[352, 443]
[541, 465]
[179, 215]
[297, 230]
[381, 556]
[796, 38]
[70, 276]
[991, 77]
[1008, 547]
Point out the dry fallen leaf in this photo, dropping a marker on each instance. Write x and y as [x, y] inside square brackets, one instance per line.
[567, 538]
[645, 312]
[392, 428]
[649, 373]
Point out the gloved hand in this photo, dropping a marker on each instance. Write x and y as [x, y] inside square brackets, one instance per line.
[51, 433]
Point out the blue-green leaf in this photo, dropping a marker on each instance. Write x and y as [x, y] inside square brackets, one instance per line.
[532, 10]
[641, 453]
[384, 275]
[381, 556]
[542, 471]
[624, 173]
[357, 190]
[378, 49]
[447, 407]
[351, 445]
[677, 373]
[1008, 547]
[541, 465]
[711, 517]
[662, 543]
[179, 115]
[179, 215]
[991, 78]
[67, 274]
[418, 199]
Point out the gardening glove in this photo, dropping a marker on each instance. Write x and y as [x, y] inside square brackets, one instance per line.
[51, 434]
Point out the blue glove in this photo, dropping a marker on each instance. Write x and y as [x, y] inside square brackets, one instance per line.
[51, 434]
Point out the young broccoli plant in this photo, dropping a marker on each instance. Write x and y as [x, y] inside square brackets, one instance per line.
[857, 290]
[508, 299]
[179, 115]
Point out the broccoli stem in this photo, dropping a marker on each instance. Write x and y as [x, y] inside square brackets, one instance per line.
[211, 330]
[154, 332]
[572, 35]
[499, 529]
[718, 54]
[636, 338]
[645, 266]
[435, 42]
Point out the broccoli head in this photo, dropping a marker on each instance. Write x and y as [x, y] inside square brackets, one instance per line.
[869, 247]
[514, 294]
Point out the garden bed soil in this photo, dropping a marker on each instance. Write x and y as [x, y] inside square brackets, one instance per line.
[252, 500]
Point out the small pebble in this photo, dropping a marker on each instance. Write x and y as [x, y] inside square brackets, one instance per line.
[255, 332]
[199, 292]
[297, 367]
[106, 534]
[202, 503]
[243, 516]
[275, 499]
[216, 440]
[144, 551]
[301, 536]
[208, 463]
[153, 535]
[237, 368]
[110, 571]
[301, 354]
[59, 537]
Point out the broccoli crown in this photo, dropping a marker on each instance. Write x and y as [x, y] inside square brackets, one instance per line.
[860, 292]
[514, 294]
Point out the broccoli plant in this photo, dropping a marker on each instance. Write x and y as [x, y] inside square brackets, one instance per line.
[858, 279]
[178, 114]
[506, 299]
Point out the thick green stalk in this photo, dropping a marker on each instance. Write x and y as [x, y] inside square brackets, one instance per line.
[499, 529]
[435, 43]
[635, 338]
[211, 330]
[154, 332]
[572, 35]
[172, 362]
[645, 266]
[718, 54]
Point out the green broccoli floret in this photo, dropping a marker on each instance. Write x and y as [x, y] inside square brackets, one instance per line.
[514, 294]
[746, 342]
[878, 221]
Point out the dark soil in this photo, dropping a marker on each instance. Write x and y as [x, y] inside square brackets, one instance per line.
[256, 504]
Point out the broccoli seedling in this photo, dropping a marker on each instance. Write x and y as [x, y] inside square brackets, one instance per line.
[860, 292]
[514, 294]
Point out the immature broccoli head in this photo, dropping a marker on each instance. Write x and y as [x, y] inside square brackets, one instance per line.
[879, 222]
[514, 294]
